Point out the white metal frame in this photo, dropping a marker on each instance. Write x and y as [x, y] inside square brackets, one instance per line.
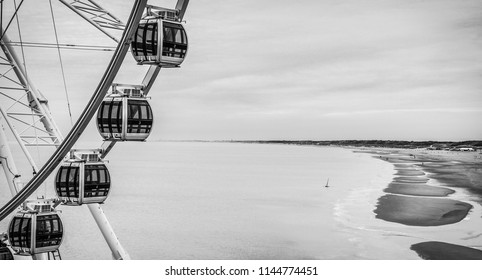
[118, 251]
[96, 15]
[38, 104]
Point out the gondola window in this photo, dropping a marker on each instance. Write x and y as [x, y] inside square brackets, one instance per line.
[20, 232]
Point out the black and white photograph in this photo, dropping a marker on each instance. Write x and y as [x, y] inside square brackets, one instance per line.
[327, 130]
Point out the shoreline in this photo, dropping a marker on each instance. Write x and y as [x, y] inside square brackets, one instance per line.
[418, 194]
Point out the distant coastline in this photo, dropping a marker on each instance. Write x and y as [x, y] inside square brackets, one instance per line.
[373, 143]
[476, 144]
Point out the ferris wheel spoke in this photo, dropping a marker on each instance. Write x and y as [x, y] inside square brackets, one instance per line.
[107, 146]
[181, 7]
[6, 159]
[34, 99]
[96, 15]
[150, 77]
[3, 31]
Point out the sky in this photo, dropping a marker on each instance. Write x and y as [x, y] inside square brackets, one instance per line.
[278, 69]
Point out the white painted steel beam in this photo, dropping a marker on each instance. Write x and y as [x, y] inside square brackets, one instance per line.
[6, 160]
[96, 15]
[181, 6]
[36, 100]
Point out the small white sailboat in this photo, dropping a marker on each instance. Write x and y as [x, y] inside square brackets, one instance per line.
[327, 181]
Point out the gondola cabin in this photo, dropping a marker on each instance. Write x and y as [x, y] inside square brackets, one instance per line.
[35, 229]
[160, 39]
[125, 114]
[82, 179]
[5, 253]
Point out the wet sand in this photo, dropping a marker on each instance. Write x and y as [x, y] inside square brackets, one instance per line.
[456, 169]
[462, 175]
[434, 250]
[415, 211]
[410, 184]
[419, 190]
[410, 179]
[415, 199]
[409, 172]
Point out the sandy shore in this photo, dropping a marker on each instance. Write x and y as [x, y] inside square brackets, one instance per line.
[414, 168]
[451, 168]
[415, 200]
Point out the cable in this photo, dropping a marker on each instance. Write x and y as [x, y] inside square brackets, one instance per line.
[1, 17]
[20, 38]
[61, 63]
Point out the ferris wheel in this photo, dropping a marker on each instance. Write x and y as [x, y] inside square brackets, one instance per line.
[156, 37]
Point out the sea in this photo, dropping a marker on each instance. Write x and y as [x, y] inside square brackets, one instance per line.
[238, 201]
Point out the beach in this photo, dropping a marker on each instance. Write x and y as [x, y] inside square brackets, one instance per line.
[423, 191]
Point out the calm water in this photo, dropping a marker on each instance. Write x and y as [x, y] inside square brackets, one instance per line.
[245, 201]
[229, 201]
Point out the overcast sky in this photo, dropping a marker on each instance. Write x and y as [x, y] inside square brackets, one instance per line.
[279, 69]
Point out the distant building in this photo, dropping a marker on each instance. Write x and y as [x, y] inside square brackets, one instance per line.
[438, 147]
